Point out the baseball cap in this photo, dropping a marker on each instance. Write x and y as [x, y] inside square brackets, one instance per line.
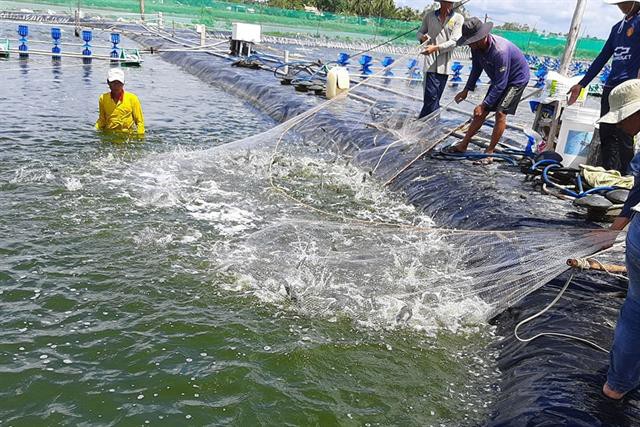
[115, 74]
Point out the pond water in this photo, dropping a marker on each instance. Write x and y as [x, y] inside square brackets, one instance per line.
[164, 281]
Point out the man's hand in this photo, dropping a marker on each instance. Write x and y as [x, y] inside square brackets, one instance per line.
[431, 49]
[461, 96]
[574, 93]
[424, 38]
[480, 110]
[619, 223]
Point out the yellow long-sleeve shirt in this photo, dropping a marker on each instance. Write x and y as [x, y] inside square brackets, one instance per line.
[120, 116]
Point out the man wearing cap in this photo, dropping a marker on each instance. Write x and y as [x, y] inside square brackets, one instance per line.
[508, 70]
[120, 111]
[441, 29]
[623, 46]
[624, 367]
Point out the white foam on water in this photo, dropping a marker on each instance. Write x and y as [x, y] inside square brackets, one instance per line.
[73, 184]
[285, 254]
[377, 278]
[28, 174]
[150, 237]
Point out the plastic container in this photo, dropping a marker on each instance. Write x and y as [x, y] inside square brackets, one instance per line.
[338, 82]
[576, 134]
[558, 86]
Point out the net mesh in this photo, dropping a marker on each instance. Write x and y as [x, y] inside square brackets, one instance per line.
[412, 267]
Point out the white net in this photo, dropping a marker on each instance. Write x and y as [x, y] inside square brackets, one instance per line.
[343, 245]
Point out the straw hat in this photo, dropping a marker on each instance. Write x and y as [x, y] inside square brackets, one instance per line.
[624, 101]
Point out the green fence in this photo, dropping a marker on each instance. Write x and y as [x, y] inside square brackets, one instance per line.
[539, 44]
[220, 15]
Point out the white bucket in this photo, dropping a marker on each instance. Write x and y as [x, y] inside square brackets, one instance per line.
[576, 133]
[338, 82]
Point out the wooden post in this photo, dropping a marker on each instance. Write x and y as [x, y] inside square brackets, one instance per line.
[142, 9]
[572, 38]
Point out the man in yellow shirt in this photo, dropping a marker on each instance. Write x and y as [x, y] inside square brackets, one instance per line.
[120, 111]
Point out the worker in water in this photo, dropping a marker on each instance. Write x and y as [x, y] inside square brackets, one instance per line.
[623, 46]
[440, 29]
[120, 111]
[624, 368]
[508, 70]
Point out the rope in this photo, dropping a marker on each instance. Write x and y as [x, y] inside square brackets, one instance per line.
[583, 264]
[554, 334]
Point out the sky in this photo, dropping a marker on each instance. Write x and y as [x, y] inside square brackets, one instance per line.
[550, 15]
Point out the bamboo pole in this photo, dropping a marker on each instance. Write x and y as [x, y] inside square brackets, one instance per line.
[572, 38]
[589, 264]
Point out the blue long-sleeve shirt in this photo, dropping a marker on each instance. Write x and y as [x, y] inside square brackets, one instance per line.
[623, 45]
[633, 200]
[505, 65]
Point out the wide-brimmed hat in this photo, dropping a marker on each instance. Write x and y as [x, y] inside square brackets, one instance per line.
[474, 30]
[115, 74]
[624, 101]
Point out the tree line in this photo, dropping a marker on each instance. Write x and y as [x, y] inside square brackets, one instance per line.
[371, 8]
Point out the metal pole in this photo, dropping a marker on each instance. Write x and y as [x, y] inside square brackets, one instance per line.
[285, 69]
[77, 21]
[572, 38]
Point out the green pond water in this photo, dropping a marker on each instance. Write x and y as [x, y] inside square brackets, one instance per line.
[165, 283]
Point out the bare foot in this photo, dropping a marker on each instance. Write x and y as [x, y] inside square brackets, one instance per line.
[611, 393]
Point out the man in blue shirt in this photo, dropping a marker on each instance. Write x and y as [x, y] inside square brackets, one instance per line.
[623, 46]
[508, 70]
[624, 367]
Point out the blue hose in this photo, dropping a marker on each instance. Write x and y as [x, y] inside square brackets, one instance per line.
[543, 163]
[581, 194]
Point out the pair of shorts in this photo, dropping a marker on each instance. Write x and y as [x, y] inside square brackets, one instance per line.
[509, 102]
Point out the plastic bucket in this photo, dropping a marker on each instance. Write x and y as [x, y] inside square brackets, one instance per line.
[576, 134]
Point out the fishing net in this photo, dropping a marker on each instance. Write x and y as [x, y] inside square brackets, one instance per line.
[338, 241]
[308, 219]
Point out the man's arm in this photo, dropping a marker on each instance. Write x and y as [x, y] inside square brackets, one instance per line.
[102, 116]
[138, 117]
[476, 71]
[599, 63]
[632, 201]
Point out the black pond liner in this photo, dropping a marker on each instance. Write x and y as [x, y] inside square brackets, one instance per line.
[547, 382]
